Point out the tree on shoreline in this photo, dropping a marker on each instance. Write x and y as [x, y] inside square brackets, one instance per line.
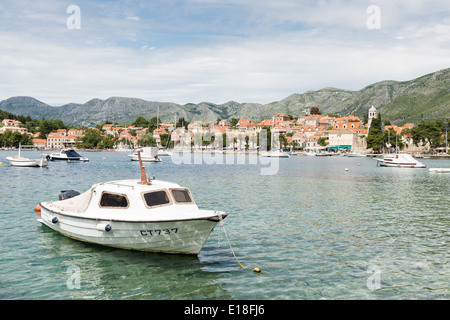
[375, 136]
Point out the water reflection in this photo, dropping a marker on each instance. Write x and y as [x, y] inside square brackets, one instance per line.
[108, 273]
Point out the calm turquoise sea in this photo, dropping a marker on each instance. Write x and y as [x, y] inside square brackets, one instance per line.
[316, 230]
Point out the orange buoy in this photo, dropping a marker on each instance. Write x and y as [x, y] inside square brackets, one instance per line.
[38, 208]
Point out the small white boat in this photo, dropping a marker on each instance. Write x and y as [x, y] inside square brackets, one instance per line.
[143, 215]
[401, 160]
[356, 154]
[148, 154]
[19, 161]
[68, 154]
[275, 154]
[164, 153]
[439, 170]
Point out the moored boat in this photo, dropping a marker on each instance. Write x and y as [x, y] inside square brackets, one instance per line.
[275, 154]
[355, 154]
[401, 160]
[144, 215]
[148, 154]
[68, 154]
[19, 161]
[439, 170]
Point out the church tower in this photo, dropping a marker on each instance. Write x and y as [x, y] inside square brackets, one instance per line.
[372, 115]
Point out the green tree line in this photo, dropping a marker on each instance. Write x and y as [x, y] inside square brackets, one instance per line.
[431, 132]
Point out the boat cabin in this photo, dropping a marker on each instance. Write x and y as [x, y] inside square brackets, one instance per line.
[130, 200]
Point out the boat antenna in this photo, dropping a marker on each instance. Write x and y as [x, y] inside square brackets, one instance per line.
[143, 176]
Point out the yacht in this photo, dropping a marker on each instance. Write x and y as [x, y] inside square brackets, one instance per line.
[401, 160]
[68, 154]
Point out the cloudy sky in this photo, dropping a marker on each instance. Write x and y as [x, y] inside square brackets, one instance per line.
[215, 51]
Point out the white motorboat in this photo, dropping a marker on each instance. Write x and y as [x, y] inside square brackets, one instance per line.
[148, 154]
[68, 154]
[275, 154]
[143, 215]
[356, 154]
[19, 161]
[164, 153]
[439, 170]
[401, 160]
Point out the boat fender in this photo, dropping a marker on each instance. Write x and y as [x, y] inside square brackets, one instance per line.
[104, 227]
[55, 220]
[37, 208]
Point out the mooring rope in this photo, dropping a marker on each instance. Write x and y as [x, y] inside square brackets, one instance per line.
[222, 225]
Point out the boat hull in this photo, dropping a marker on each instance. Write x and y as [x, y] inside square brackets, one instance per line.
[275, 155]
[145, 159]
[440, 170]
[59, 158]
[27, 162]
[382, 163]
[177, 237]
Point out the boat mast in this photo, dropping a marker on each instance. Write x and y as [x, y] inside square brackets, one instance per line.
[143, 176]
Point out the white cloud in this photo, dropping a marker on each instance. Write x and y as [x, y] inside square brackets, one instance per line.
[283, 47]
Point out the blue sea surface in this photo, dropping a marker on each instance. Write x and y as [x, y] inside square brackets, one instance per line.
[315, 229]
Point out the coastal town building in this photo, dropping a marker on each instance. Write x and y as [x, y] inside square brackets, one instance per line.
[59, 140]
[40, 143]
[13, 125]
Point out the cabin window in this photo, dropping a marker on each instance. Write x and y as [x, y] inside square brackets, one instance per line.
[156, 198]
[181, 195]
[113, 200]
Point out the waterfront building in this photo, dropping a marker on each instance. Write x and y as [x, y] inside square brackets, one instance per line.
[40, 143]
[58, 140]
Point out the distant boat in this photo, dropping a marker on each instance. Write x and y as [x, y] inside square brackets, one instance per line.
[68, 154]
[439, 170]
[148, 154]
[275, 154]
[19, 161]
[123, 149]
[399, 160]
[164, 153]
[356, 154]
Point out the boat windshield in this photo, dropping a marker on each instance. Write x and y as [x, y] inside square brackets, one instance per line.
[181, 195]
[72, 153]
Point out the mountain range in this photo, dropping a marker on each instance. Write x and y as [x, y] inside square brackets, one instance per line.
[423, 98]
